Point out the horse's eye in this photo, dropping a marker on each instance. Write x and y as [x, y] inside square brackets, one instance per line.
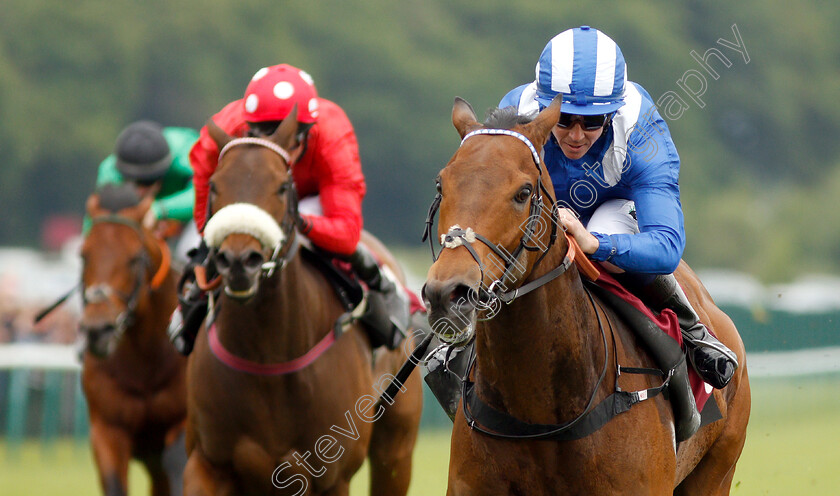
[438, 187]
[138, 260]
[212, 187]
[283, 189]
[523, 194]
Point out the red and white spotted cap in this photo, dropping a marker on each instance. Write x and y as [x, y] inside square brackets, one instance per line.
[274, 90]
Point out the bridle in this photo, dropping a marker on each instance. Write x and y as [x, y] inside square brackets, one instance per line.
[99, 293]
[458, 236]
[279, 257]
[490, 421]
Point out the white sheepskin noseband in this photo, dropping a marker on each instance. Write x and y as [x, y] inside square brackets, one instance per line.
[243, 218]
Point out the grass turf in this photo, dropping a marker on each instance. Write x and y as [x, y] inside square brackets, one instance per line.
[792, 448]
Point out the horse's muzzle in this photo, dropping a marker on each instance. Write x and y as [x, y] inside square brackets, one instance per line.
[452, 308]
[240, 271]
[101, 338]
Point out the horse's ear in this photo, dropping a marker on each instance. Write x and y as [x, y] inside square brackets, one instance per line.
[463, 117]
[218, 134]
[286, 131]
[540, 128]
[138, 212]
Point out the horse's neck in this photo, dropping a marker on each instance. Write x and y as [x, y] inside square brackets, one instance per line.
[540, 357]
[287, 317]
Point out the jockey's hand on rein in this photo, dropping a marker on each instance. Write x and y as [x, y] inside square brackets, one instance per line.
[570, 222]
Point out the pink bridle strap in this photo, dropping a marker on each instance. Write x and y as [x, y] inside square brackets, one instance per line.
[255, 368]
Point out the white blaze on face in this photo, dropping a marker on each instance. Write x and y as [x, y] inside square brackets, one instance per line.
[243, 218]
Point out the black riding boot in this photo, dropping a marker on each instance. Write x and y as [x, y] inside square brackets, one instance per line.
[387, 312]
[192, 304]
[666, 353]
[711, 359]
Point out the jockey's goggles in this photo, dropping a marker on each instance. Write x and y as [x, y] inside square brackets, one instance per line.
[589, 122]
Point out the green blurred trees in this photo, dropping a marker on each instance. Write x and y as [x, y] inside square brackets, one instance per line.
[761, 165]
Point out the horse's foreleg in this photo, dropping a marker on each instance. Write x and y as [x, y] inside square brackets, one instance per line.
[160, 481]
[341, 488]
[112, 452]
[166, 468]
[713, 474]
[199, 479]
[174, 460]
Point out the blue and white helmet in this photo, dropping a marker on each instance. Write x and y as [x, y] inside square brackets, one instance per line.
[587, 67]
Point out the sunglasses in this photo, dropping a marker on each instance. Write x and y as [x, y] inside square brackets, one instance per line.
[589, 122]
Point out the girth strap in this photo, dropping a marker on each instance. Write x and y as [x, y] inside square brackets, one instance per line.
[496, 423]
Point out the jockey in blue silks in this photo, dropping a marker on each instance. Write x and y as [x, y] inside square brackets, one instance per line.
[615, 171]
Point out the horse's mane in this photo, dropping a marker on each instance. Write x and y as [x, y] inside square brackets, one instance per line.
[115, 197]
[506, 118]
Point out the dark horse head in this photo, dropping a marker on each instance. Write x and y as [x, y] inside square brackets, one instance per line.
[252, 207]
[122, 263]
[496, 216]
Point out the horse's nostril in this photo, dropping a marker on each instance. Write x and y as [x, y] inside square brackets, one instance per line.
[461, 294]
[253, 260]
[223, 260]
[450, 295]
[97, 328]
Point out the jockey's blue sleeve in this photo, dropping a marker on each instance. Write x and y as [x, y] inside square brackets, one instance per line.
[659, 245]
[649, 177]
[652, 178]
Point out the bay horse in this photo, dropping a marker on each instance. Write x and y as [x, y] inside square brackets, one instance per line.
[277, 403]
[550, 354]
[133, 378]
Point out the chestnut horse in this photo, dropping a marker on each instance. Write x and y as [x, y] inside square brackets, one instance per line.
[277, 403]
[550, 354]
[133, 379]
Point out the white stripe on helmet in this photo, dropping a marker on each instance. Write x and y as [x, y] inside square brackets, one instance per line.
[562, 61]
[605, 65]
